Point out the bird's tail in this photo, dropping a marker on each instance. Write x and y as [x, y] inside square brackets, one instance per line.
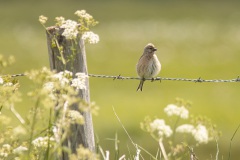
[140, 86]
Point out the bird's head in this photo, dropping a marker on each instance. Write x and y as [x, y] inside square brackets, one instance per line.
[149, 48]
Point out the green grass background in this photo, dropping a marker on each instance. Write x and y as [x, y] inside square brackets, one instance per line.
[194, 39]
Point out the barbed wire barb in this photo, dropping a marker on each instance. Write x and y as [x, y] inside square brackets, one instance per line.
[119, 77]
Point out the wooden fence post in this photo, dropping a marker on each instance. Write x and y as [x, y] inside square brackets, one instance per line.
[79, 134]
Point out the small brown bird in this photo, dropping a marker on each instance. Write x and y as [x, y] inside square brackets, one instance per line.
[148, 65]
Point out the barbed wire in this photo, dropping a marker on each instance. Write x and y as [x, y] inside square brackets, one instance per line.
[16, 75]
[167, 79]
[119, 77]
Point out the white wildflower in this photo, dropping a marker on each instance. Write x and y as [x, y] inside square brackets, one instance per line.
[19, 130]
[162, 129]
[70, 29]
[63, 77]
[5, 150]
[8, 84]
[45, 70]
[49, 86]
[172, 109]
[80, 13]
[20, 150]
[79, 82]
[90, 37]
[183, 112]
[81, 75]
[42, 142]
[67, 74]
[38, 142]
[42, 19]
[60, 20]
[3, 154]
[6, 146]
[83, 14]
[75, 116]
[201, 134]
[185, 128]
[1, 80]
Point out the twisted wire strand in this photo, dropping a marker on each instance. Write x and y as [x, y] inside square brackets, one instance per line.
[119, 77]
[163, 78]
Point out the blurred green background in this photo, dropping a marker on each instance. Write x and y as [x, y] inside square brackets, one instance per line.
[194, 39]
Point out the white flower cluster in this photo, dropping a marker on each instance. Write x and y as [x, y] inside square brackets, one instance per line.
[42, 142]
[200, 133]
[5, 150]
[20, 150]
[65, 78]
[42, 19]
[185, 128]
[162, 129]
[90, 37]
[49, 86]
[1, 80]
[75, 116]
[79, 82]
[8, 84]
[83, 14]
[59, 20]
[19, 130]
[70, 29]
[172, 109]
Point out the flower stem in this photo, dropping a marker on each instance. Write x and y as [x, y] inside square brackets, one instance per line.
[19, 117]
[163, 149]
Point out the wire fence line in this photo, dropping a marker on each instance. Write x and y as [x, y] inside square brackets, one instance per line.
[119, 77]
[166, 79]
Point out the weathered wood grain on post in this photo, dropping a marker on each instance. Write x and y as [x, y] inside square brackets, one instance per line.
[79, 134]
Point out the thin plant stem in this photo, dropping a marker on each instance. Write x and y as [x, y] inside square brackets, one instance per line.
[217, 149]
[162, 149]
[122, 157]
[230, 147]
[124, 128]
[116, 147]
[49, 135]
[134, 144]
[107, 155]
[147, 152]
[174, 129]
[60, 51]
[33, 126]
[129, 152]
[102, 152]
[192, 154]
[19, 117]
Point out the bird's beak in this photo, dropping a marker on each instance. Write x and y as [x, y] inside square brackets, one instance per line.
[155, 49]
